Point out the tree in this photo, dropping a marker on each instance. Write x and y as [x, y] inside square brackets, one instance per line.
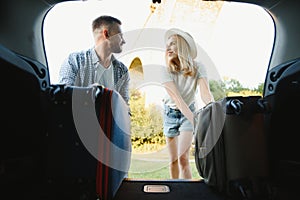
[146, 122]
[217, 89]
[260, 88]
[233, 85]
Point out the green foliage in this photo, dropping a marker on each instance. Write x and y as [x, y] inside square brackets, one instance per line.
[146, 123]
[244, 93]
[260, 88]
[231, 87]
[217, 89]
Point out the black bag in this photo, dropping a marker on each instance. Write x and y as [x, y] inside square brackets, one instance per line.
[230, 146]
[88, 142]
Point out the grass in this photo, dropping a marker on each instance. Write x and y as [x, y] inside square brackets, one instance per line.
[154, 165]
[155, 173]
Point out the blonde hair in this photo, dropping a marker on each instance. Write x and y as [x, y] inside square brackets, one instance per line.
[184, 61]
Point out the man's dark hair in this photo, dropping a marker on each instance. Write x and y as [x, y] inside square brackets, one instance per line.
[105, 20]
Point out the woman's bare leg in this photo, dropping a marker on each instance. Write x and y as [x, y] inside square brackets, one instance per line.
[172, 144]
[184, 144]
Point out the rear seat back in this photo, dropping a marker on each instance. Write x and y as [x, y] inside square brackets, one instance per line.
[23, 123]
[282, 90]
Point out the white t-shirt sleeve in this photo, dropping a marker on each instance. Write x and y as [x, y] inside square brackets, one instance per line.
[165, 75]
[202, 73]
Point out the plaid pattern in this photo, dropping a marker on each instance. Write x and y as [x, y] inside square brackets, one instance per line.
[79, 70]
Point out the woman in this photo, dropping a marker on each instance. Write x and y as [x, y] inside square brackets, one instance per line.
[181, 78]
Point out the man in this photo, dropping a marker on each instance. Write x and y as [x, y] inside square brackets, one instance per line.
[98, 65]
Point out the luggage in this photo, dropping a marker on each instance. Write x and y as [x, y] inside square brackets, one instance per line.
[89, 144]
[231, 152]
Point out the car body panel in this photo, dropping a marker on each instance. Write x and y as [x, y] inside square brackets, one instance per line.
[26, 78]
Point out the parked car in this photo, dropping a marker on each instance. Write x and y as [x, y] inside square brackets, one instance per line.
[48, 149]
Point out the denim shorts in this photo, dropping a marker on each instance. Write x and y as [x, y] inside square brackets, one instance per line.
[175, 122]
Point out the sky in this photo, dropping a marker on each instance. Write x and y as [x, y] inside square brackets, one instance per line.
[235, 42]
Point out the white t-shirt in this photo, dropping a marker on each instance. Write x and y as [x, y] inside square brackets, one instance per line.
[186, 86]
[105, 76]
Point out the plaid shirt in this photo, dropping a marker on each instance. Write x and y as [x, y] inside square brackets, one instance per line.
[80, 67]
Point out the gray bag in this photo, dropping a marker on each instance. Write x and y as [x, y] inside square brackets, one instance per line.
[209, 144]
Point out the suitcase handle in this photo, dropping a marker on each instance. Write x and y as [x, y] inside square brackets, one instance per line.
[234, 105]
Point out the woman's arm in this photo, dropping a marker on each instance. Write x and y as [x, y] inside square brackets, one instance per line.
[180, 103]
[205, 92]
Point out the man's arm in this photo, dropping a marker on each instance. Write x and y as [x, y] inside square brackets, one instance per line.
[124, 88]
[68, 71]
